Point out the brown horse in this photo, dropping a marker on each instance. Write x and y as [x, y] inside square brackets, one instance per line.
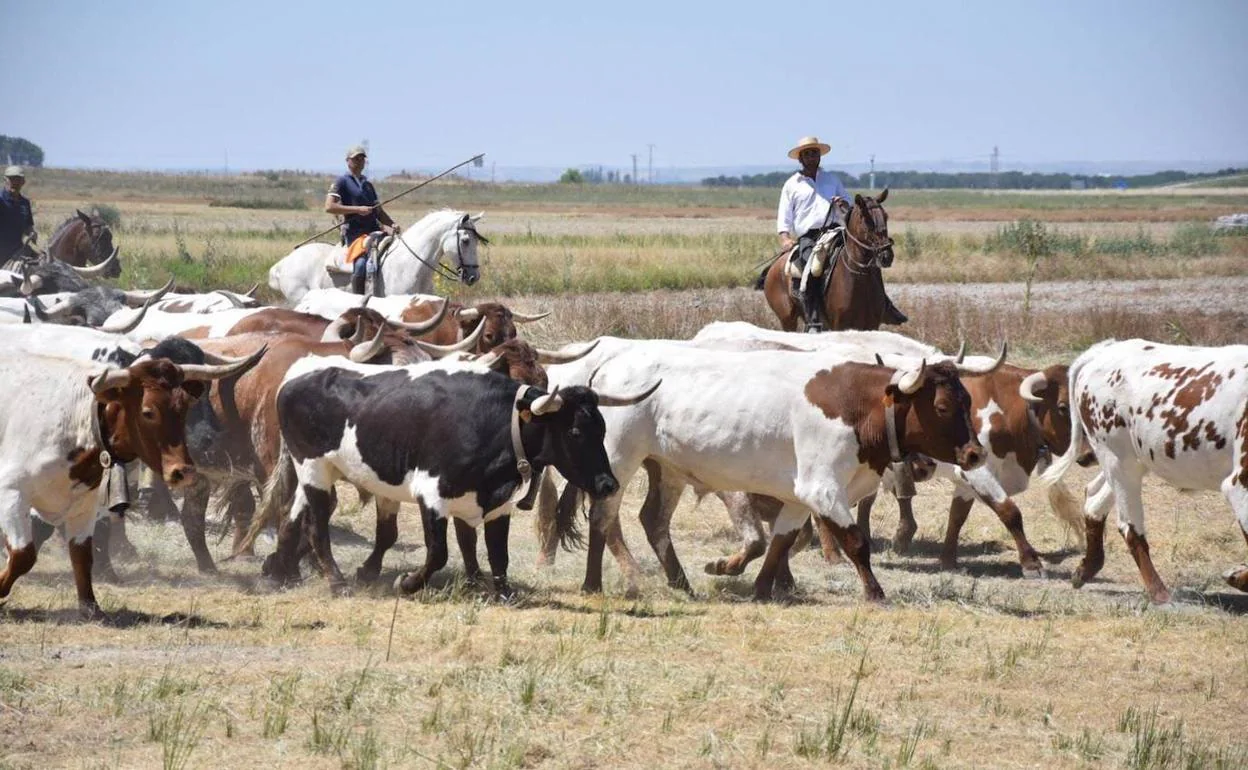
[854, 298]
[85, 240]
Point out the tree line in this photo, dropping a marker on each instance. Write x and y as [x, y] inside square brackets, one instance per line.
[1006, 180]
[21, 152]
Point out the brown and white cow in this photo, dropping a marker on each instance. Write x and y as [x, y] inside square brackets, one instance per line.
[1177, 411]
[61, 423]
[806, 429]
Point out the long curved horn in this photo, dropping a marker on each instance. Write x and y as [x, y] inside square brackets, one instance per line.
[234, 299]
[467, 343]
[211, 358]
[524, 318]
[218, 371]
[1028, 387]
[469, 314]
[563, 355]
[968, 369]
[489, 360]
[961, 353]
[109, 379]
[125, 327]
[551, 402]
[94, 270]
[26, 315]
[367, 351]
[137, 298]
[908, 381]
[606, 399]
[424, 327]
[252, 291]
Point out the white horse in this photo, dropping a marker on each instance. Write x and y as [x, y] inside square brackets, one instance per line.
[407, 267]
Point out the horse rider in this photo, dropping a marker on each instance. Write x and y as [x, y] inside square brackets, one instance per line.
[354, 198]
[811, 202]
[16, 220]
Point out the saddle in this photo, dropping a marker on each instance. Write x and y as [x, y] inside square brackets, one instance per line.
[824, 251]
[336, 261]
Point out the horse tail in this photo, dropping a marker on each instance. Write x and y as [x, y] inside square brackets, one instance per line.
[761, 281]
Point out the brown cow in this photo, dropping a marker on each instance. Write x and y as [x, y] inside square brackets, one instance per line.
[497, 322]
[92, 418]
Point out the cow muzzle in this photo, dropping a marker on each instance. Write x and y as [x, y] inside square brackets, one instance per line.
[179, 475]
[604, 485]
[970, 456]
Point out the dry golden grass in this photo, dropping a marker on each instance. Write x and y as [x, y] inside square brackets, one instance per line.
[967, 669]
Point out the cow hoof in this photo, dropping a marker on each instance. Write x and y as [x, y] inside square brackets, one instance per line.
[505, 593]
[591, 588]
[1159, 596]
[714, 567]
[207, 569]
[91, 613]
[632, 592]
[948, 565]
[1034, 573]
[367, 575]
[762, 597]
[1237, 577]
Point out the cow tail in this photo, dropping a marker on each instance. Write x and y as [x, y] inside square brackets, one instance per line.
[1065, 506]
[279, 492]
[1062, 464]
[566, 523]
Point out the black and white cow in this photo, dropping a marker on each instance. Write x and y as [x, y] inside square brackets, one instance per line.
[438, 434]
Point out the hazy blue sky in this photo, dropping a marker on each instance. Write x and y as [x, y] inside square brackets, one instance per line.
[290, 84]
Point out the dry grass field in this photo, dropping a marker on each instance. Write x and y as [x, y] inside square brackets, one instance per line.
[970, 668]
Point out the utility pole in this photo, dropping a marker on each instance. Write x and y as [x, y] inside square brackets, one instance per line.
[227, 162]
[994, 166]
[650, 165]
[635, 180]
[872, 183]
[491, 172]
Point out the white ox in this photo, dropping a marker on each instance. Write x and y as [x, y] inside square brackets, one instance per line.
[406, 267]
[1179, 412]
[331, 303]
[153, 324]
[806, 429]
[1007, 409]
[212, 302]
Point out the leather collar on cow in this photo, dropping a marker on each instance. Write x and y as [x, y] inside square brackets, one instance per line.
[523, 496]
[114, 487]
[890, 429]
[1044, 453]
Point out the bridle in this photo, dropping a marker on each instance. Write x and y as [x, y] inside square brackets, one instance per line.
[874, 252]
[441, 268]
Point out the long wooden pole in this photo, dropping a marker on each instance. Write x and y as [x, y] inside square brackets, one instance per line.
[395, 197]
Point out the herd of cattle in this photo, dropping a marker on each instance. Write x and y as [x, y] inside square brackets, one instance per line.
[413, 398]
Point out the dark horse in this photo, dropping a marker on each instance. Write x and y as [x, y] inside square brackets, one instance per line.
[854, 298]
[85, 240]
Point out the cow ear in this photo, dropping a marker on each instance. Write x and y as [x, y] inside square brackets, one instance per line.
[195, 388]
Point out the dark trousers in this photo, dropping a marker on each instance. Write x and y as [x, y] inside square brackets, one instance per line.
[812, 299]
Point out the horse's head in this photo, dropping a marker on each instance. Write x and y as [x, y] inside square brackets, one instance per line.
[868, 229]
[460, 244]
[95, 244]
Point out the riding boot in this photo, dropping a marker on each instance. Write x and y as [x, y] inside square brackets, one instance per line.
[892, 315]
[357, 282]
[811, 301]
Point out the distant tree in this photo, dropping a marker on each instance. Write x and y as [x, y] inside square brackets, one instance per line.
[572, 176]
[23, 152]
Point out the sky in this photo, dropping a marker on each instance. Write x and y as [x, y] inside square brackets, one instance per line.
[286, 84]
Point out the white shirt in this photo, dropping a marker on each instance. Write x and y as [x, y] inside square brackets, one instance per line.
[804, 203]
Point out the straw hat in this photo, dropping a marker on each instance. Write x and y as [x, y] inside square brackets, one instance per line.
[809, 141]
[15, 171]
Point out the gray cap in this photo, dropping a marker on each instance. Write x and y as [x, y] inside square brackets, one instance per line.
[356, 150]
[15, 171]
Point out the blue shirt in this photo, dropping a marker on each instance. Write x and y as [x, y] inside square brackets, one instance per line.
[15, 221]
[356, 191]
